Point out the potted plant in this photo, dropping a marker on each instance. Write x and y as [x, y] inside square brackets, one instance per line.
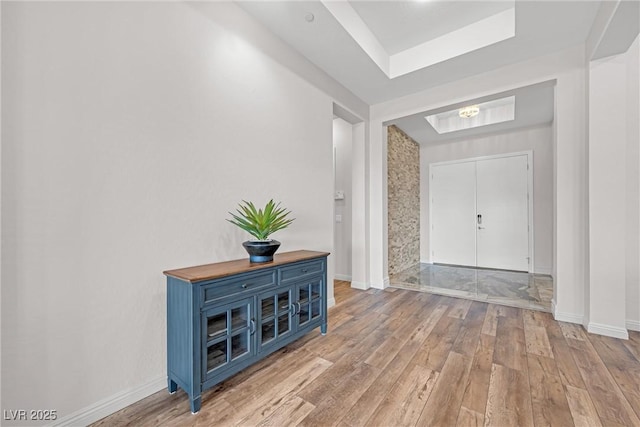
[261, 223]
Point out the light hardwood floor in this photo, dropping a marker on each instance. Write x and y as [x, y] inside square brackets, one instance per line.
[403, 358]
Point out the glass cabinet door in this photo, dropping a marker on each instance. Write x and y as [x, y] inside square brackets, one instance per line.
[227, 333]
[274, 311]
[310, 301]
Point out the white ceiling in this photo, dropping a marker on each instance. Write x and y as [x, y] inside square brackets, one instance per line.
[541, 27]
[414, 22]
[534, 106]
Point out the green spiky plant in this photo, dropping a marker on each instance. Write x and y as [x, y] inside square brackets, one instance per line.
[261, 223]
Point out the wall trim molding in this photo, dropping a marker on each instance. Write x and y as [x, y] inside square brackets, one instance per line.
[360, 285]
[108, 406]
[607, 330]
[633, 325]
[386, 283]
[344, 277]
[565, 317]
[331, 302]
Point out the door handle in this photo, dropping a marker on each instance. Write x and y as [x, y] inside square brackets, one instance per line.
[479, 219]
[480, 228]
[252, 327]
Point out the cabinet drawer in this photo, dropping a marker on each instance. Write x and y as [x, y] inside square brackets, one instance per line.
[227, 287]
[301, 270]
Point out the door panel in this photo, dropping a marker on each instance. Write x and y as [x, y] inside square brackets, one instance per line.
[228, 331]
[310, 301]
[274, 315]
[453, 210]
[503, 234]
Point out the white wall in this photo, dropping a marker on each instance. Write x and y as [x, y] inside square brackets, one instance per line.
[540, 141]
[1, 133]
[633, 186]
[607, 196]
[359, 203]
[342, 142]
[613, 292]
[130, 129]
[570, 197]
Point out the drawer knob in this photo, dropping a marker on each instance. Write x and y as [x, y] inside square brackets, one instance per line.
[304, 270]
[245, 285]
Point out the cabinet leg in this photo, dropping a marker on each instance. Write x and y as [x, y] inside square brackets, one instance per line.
[173, 387]
[195, 405]
[323, 329]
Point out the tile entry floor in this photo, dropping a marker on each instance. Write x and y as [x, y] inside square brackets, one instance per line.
[515, 289]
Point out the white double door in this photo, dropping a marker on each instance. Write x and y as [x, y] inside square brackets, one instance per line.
[480, 213]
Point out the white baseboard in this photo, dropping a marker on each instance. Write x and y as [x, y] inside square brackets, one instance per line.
[633, 325]
[425, 261]
[360, 285]
[607, 330]
[385, 282]
[108, 406]
[565, 317]
[542, 270]
[342, 277]
[595, 328]
[378, 285]
[331, 302]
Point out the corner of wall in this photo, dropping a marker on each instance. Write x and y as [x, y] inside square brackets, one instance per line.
[607, 330]
[633, 325]
[360, 285]
[108, 406]
[565, 317]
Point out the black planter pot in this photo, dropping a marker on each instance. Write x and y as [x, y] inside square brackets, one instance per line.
[261, 250]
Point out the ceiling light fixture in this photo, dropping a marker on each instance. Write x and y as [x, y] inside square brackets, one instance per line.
[468, 112]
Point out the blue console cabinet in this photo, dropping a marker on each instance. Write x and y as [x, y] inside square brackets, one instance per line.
[223, 317]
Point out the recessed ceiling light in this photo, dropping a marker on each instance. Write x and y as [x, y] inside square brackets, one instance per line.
[494, 111]
[309, 17]
[470, 111]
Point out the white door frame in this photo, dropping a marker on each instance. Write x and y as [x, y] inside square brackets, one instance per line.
[529, 154]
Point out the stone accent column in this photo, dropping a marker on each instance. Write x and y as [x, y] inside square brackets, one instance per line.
[403, 180]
